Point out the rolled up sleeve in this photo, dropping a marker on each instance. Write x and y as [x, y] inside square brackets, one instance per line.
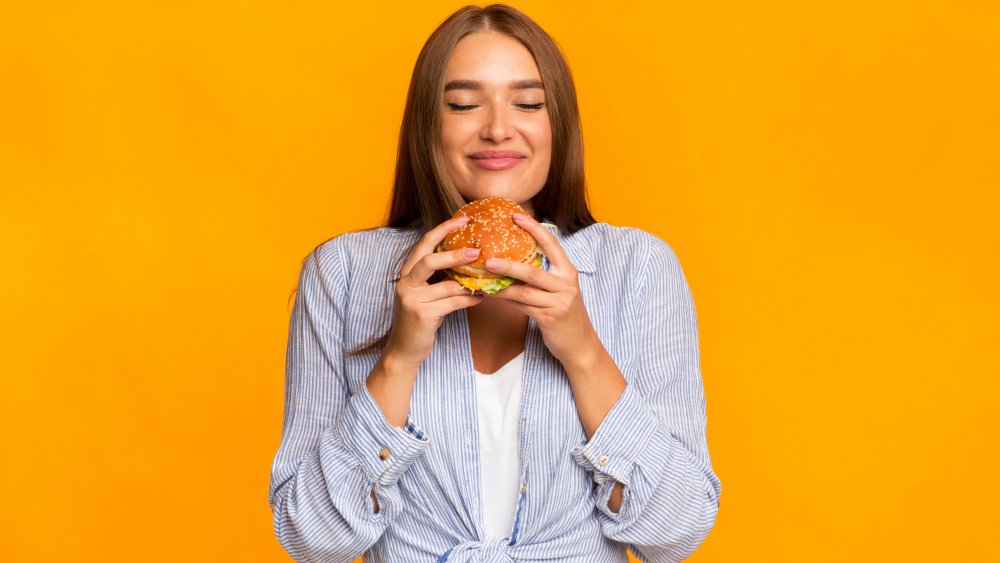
[336, 448]
[653, 440]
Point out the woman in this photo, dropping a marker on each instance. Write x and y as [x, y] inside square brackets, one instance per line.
[597, 442]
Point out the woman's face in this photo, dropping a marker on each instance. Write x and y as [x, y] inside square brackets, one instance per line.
[495, 129]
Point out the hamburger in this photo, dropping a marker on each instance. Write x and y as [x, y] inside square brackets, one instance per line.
[492, 230]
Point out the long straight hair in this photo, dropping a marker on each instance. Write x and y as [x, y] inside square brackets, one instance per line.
[423, 195]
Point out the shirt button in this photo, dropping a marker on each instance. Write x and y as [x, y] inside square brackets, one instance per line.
[383, 454]
[602, 460]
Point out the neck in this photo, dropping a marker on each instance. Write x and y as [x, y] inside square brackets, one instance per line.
[527, 206]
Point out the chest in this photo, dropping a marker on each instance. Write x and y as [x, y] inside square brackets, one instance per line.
[497, 332]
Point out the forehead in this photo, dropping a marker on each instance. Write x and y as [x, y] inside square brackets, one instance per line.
[491, 58]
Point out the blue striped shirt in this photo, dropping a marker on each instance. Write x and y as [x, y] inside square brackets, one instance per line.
[337, 446]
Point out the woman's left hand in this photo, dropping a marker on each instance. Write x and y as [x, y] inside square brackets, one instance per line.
[552, 298]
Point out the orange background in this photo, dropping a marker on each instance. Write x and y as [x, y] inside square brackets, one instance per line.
[827, 174]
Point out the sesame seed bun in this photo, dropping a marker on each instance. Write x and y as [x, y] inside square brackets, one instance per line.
[492, 230]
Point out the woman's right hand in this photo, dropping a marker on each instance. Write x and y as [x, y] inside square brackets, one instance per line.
[420, 307]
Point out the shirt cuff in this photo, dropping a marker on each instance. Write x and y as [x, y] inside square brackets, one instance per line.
[383, 450]
[612, 451]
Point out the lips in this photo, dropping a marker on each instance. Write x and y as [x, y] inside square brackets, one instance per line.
[489, 155]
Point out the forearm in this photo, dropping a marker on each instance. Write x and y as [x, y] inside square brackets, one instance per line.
[596, 381]
[597, 384]
[391, 385]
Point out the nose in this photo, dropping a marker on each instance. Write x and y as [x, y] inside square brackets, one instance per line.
[497, 126]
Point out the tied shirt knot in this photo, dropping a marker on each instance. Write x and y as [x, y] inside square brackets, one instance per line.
[487, 550]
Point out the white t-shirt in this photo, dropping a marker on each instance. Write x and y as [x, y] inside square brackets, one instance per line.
[499, 398]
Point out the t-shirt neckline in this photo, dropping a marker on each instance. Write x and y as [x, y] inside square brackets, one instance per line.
[502, 370]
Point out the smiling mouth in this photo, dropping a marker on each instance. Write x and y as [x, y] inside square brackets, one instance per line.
[498, 163]
[496, 155]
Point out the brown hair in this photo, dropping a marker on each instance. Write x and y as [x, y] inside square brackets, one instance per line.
[422, 194]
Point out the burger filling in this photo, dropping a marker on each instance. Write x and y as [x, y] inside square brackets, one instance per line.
[490, 285]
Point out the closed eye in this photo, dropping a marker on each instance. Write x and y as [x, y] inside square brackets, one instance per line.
[530, 107]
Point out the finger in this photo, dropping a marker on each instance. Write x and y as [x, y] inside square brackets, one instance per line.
[526, 295]
[526, 309]
[524, 272]
[442, 290]
[429, 242]
[550, 246]
[426, 266]
[442, 307]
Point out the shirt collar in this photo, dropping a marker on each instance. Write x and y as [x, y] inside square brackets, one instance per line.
[576, 246]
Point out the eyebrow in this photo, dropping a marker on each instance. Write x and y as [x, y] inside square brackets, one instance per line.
[476, 85]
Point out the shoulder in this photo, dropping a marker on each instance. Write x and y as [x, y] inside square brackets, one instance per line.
[607, 234]
[610, 247]
[366, 240]
[366, 254]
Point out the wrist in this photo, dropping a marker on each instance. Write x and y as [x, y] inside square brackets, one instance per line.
[587, 357]
[390, 384]
[394, 363]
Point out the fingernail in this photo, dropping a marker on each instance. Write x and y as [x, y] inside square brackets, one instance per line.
[492, 263]
[520, 216]
[471, 252]
[462, 218]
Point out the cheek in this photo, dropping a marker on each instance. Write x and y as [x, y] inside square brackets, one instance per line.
[447, 142]
[451, 137]
[542, 140]
[541, 137]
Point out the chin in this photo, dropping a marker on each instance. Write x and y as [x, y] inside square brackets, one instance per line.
[517, 195]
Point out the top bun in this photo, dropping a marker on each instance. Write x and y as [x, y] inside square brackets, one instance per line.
[492, 230]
